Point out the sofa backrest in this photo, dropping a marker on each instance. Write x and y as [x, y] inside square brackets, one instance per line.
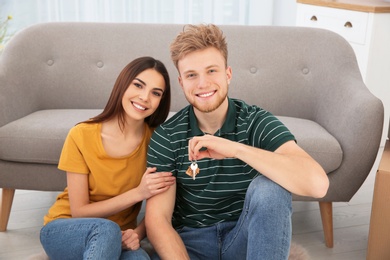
[74, 65]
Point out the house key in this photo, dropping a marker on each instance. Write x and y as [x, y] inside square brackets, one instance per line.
[193, 170]
[194, 167]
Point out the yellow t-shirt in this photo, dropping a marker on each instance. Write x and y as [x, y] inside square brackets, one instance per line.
[83, 153]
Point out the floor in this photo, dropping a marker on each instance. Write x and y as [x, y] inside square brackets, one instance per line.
[351, 225]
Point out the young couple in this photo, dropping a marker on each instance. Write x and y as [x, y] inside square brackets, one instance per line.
[237, 206]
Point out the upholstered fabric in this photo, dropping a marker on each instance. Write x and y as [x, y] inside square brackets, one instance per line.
[315, 140]
[32, 140]
[56, 74]
[39, 137]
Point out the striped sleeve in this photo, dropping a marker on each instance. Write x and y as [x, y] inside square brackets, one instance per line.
[268, 132]
[160, 152]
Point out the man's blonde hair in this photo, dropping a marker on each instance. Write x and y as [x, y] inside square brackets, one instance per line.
[198, 37]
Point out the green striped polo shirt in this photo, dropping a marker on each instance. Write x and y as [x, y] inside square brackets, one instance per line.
[218, 192]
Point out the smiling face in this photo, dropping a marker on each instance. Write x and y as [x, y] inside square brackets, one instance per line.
[204, 79]
[143, 95]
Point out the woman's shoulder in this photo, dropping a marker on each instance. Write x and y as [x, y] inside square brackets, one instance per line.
[85, 129]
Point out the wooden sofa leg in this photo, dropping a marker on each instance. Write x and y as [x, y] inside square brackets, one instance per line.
[5, 208]
[326, 210]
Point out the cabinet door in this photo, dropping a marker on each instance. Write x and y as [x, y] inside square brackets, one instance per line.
[352, 25]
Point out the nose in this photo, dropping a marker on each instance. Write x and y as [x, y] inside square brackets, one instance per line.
[203, 82]
[144, 95]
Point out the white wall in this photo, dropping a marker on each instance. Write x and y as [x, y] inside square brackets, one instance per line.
[285, 12]
[245, 12]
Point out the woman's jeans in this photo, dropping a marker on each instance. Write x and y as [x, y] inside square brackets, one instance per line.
[85, 238]
[263, 230]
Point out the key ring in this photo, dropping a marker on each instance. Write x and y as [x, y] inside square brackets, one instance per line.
[193, 169]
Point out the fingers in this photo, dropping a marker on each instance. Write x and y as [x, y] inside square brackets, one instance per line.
[193, 151]
[130, 240]
[156, 175]
[156, 183]
[209, 146]
[190, 153]
[196, 145]
[161, 176]
[162, 183]
[150, 170]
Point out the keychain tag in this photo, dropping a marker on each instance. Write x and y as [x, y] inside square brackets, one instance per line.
[193, 170]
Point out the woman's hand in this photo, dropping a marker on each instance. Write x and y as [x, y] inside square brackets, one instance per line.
[130, 240]
[153, 183]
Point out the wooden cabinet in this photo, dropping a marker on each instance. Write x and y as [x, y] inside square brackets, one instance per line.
[365, 24]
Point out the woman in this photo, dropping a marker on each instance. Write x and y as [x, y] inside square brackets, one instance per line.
[105, 161]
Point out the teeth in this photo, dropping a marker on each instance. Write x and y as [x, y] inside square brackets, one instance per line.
[206, 94]
[139, 107]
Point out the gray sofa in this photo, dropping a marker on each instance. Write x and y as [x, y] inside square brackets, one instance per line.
[57, 74]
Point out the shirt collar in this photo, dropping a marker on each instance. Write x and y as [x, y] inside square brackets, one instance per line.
[227, 127]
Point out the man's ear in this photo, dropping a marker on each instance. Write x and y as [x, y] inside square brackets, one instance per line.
[229, 74]
[180, 81]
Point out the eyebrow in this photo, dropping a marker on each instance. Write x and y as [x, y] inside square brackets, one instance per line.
[212, 66]
[140, 81]
[143, 83]
[208, 67]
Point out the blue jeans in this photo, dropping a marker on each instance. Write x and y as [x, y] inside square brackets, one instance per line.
[263, 230]
[85, 238]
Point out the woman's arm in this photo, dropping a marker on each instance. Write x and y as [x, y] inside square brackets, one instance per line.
[80, 206]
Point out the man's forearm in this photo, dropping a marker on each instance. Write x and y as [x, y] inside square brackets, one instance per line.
[290, 166]
[164, 238]
[167, 242]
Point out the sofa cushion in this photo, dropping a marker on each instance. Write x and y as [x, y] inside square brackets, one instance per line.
[39, 137]
[316, 141]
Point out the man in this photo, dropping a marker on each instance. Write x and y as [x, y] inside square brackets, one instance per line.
[234, 202]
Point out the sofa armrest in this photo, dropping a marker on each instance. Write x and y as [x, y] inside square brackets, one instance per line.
[354, 116]
[15, 102]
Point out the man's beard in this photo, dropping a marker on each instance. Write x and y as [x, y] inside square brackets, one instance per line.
[209, 109]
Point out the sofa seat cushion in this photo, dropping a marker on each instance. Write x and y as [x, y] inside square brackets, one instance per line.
[39, 137]
[316, 141]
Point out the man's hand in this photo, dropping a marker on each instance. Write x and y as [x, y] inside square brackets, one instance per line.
[209, 146]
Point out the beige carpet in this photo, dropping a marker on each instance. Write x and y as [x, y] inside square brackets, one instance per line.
[297, 252]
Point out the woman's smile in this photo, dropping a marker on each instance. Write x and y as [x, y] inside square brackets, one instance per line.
[138, 106]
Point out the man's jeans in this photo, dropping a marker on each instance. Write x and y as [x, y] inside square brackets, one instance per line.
[85, 238]
[263, 230]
